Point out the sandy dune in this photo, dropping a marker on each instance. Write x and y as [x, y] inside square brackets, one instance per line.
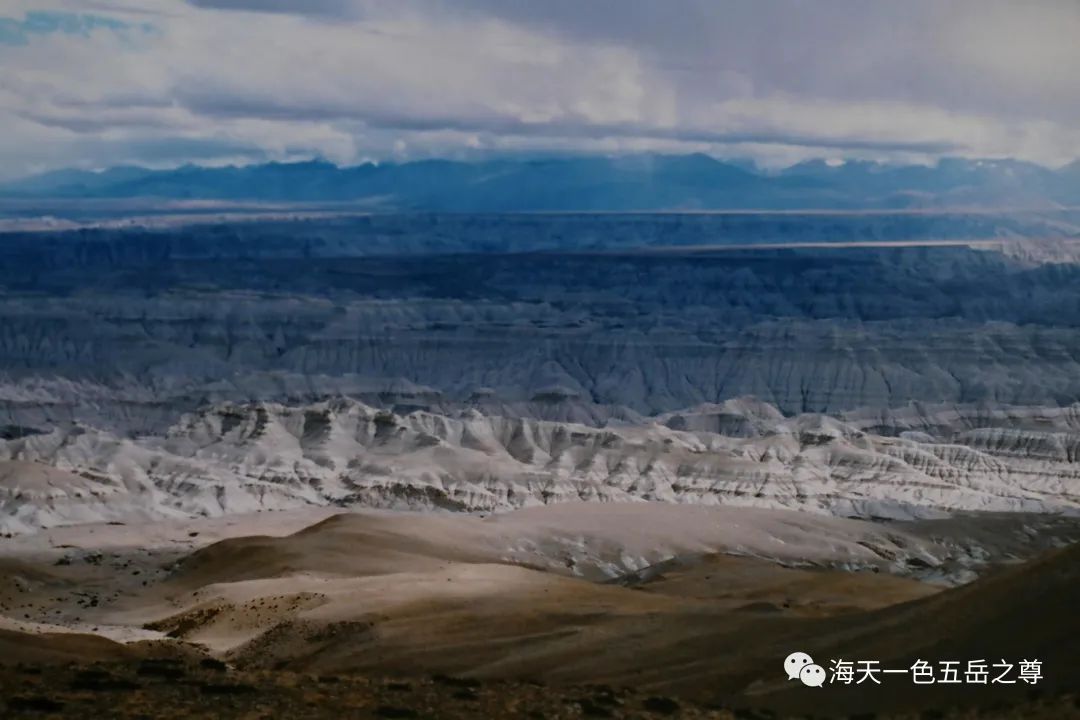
[595, 541]
[518, 623]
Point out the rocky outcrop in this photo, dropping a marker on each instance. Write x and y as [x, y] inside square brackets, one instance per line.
[494, 362]
[234, 458]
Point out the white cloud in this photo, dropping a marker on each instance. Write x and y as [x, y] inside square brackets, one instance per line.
[349, 80]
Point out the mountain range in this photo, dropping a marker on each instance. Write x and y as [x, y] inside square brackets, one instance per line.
[635, 182]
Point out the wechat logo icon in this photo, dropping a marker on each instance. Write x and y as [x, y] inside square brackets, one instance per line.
[800, 666]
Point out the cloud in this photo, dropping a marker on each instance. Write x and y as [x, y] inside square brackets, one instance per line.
[349, 80]
[316, 8]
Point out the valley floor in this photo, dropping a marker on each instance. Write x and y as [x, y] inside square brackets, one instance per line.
[575, 610]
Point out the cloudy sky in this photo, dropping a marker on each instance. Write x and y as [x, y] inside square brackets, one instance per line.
[93, 83]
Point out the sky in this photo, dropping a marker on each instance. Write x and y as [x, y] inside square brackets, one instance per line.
[98, 83]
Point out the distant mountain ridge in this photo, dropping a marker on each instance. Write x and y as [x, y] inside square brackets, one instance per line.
[637, 182]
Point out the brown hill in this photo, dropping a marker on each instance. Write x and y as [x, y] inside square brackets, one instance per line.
[1026, 612]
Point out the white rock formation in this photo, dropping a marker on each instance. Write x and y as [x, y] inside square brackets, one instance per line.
[232, 458]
